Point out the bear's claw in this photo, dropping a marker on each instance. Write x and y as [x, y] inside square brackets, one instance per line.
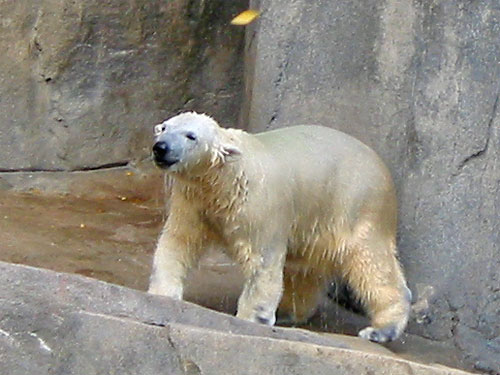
[380, 335]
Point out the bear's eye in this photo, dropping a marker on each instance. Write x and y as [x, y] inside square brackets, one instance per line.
[191, 136]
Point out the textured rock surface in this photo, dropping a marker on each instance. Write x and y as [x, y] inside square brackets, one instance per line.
[54, 323]
[79, 76]
[419, 82]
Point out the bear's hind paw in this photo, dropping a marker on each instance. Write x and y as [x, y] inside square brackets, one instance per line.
[379, 335]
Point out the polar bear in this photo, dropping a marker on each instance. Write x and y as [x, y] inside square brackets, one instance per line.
[297, 208]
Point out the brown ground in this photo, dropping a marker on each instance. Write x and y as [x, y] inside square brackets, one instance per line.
[105, 224]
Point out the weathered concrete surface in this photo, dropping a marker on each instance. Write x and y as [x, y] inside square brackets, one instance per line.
[103, 224]
[140, 180]
[420, 83]
[77, 77]
[52, 323]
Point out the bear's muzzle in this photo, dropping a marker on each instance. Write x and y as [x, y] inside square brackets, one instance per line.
[162, 153]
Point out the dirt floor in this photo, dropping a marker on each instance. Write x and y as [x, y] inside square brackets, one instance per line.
[105, 224]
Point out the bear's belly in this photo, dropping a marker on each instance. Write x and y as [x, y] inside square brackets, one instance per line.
[322, 252]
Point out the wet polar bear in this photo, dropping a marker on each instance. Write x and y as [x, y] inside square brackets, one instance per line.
[297, 208]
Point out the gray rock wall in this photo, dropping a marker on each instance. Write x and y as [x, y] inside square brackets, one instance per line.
[419, 81]
[83, 82]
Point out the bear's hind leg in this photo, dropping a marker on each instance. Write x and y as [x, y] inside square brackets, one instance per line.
[389, 310]
[374, 274]
[301, 296]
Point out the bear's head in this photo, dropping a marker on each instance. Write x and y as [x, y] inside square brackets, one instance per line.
[191, 143]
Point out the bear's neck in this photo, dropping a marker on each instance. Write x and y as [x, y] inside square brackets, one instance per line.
[222, 191]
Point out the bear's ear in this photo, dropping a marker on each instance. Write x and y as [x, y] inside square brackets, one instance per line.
[230, 151]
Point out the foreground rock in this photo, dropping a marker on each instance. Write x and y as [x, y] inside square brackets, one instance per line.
[53, 323]
[419, 82]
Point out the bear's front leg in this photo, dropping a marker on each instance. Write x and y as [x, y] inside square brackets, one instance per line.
[169, 269]
[263, 287]
[176, 253]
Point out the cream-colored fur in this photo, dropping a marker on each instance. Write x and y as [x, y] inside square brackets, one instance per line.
[296, 207]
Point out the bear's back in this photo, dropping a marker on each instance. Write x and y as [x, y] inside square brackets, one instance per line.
[317, 152]
[327, 169]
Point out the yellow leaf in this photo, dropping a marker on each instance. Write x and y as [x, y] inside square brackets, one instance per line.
[244, 18]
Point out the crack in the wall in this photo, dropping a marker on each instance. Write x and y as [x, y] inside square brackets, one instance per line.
[455, 322]
[117, 164]
[188, 366]
[483, 149]
[278, 83]
[413, 143]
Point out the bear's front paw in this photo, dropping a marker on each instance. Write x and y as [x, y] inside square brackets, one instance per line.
[379, 335]
[266, 321]
[264, 316]
[258, 315]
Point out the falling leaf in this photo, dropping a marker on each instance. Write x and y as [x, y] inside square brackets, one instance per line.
[244, 18]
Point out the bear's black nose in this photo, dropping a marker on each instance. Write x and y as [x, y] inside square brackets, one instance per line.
[160, 149]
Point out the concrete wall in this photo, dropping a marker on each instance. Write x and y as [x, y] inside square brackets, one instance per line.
[419, 81]
[83, 82]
